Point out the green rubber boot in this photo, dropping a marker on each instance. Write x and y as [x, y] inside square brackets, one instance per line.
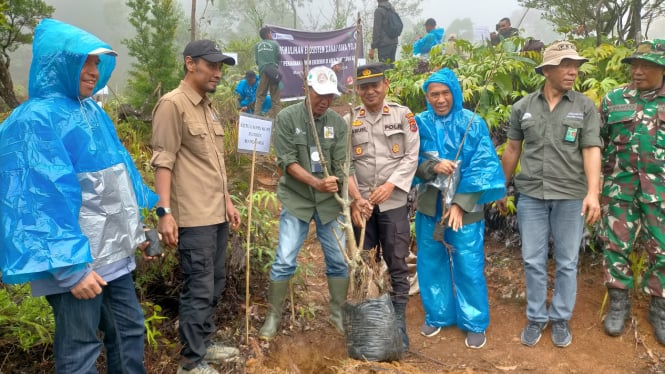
[276, 295]
[338, 287]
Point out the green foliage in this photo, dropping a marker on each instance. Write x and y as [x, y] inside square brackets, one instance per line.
[24, 320]
[265, 213]
[17, 24]
[492, 80]
[638, 260]
[153, 321]
[157, 67]
[135, 136]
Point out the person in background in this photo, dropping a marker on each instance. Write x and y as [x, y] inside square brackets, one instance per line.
[246, 90]
[338, 67]
[555, 135]
[195, 209]
[504, 30]
[451, 258]
[450, 45]
[385, 156]
[633, 194]
[381, 42]
[70, 204]
[306, 195]
[267, 57]
[432, 37]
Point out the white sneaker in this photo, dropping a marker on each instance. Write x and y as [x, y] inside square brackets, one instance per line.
[217, 353]
[201, 368]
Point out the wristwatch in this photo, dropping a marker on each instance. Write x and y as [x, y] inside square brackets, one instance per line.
[161, 211]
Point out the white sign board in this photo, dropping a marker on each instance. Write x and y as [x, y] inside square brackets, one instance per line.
[254, 129]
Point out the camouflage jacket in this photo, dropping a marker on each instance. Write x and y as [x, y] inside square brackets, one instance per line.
[634, 153]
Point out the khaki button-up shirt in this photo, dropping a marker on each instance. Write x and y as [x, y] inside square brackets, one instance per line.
[188, 139]
[385, 149]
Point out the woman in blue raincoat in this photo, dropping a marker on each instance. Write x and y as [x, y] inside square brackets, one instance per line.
[459, 170]
[70, 200]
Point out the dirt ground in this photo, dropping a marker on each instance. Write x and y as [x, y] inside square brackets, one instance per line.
[308, 344]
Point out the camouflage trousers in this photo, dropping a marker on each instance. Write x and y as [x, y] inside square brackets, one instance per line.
[621, 222]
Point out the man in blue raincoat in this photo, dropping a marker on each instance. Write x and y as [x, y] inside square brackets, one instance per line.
[433, 37]
[246, 90]
[70, 200]
[451, 260]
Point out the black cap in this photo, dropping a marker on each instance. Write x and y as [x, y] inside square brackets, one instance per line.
[207, 50]
[370, 73]
[250, 74]
[430, 22]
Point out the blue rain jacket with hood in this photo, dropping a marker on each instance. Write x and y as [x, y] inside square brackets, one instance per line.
[69, 191]
[247, 95]
[452, 285]
[423, 45]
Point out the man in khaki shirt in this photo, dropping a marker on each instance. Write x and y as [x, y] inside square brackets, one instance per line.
[385, 145]
[194, 207]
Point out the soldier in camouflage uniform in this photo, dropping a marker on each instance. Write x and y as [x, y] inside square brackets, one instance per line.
[633, 192]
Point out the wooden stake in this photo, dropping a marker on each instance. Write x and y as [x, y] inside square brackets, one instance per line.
[249, 236]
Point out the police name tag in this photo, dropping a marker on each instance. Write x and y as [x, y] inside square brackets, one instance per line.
[315, 160]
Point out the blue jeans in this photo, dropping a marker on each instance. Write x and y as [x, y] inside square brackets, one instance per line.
[116, 312]
[537, 219]
[292, 233]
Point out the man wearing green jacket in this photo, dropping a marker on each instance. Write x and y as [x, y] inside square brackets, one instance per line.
[306, 194]
[266, 54]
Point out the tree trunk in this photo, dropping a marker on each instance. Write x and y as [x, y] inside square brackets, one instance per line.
[636, 21]
[7, 85]
[599, 34]
[192, 21]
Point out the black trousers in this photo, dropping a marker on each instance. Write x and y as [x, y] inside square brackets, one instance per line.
[202, 258]
[387, 53]
[389, 232]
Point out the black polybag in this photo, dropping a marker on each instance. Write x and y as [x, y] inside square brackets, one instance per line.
[372, 332]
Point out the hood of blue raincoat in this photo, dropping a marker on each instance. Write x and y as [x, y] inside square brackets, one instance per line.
[447, 77]
[438, 34]
[70, 193]
[441, 137]
[59, 51]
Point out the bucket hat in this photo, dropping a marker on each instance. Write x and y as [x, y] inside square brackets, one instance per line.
[558, 52]
[649, 50]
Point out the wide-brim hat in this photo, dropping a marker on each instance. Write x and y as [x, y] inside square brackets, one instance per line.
[323, 81]
[558, 52]
[649, 50]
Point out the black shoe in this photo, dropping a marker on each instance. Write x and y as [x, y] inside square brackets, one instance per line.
[657, 318]
[532, 333]
[561, 336]
[619, 312]
[475, 340]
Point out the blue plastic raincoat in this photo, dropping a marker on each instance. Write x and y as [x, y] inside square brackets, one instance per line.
[423, 45]
[69, 191]
[247, 95]
[452, 285]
